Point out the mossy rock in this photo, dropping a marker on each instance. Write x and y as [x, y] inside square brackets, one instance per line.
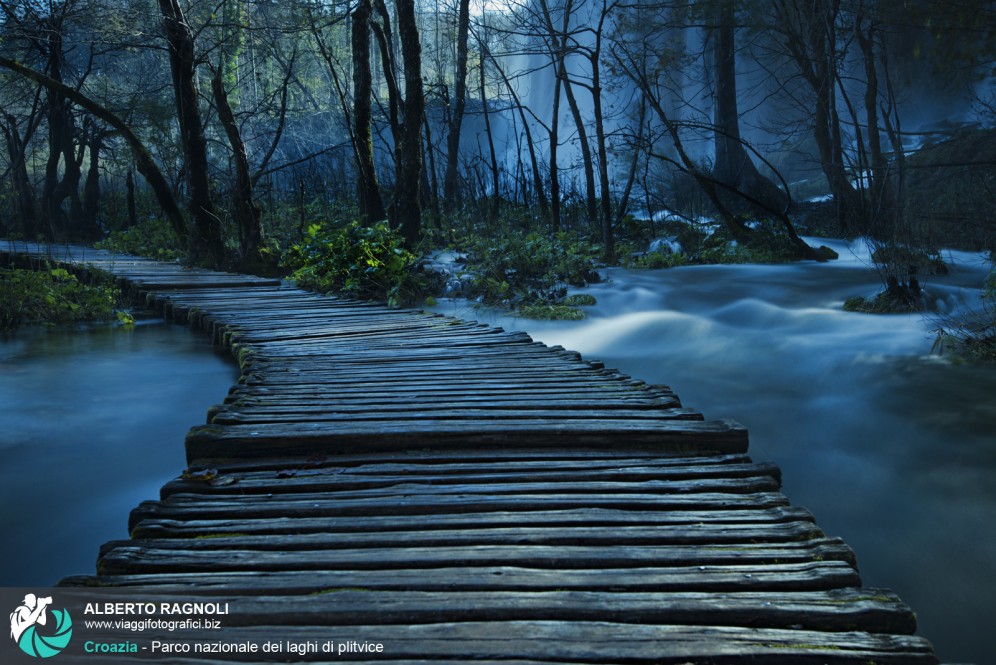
[826, 253]
[883, 303]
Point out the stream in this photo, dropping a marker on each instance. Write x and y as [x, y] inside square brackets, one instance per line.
[891, 448]
[93, 424]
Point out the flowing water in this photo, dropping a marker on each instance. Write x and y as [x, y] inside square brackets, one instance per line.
[892, 449]
[93, 424]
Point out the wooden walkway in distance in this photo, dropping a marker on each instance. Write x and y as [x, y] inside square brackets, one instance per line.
[460, 493]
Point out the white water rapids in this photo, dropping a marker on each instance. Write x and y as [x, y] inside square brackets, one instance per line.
[891, 448]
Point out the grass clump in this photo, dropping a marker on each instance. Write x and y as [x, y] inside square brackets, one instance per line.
[50, 297]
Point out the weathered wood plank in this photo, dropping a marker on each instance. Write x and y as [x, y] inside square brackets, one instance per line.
[415, 413]
[484, 460]
[194, 507]
[207, 441]
[294, 392]
[135, 557]
[329, 540]
[602, 518]
[641, 479]
[810, 575]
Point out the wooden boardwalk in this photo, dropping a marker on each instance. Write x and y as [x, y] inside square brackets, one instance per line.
[460, 493]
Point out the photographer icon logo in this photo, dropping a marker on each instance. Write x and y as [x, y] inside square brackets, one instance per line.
[30, 628]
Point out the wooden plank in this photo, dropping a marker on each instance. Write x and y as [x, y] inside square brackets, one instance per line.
[477, 460]
[197, 507]
[809, 575]
[606, 519]
[134, 557]
[641, 479]
[416, 414]
[289, 392]
[208, 441]
[270, 406]
[330, 540]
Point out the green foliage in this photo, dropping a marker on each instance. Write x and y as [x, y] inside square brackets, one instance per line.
[530, 272]
[766, 242]
[763, 242]
[152, 238]
[580, 300]
[726, 252]
[657, 260]
[367, 262]
[53, 296]
[518, 268]
[551, 312]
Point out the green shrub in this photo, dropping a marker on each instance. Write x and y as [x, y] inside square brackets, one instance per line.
[54, 296]
[152, 238]
[367, 262]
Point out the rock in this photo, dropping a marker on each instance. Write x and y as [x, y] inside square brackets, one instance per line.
[827, 253]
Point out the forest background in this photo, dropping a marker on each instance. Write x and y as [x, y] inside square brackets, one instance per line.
[346, 143]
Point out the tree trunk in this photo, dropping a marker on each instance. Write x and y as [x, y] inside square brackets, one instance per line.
[810, 37]
[61, 136]
[91, 188]
[206, 243]
[408, 207]
[605, 208]
[878, 167]
[430, 179]
[368, 191]
[451, 179]
[16, 151]
[556, 222]
[247, 213]
[746, 190]
[132, 207]
[495, 180]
